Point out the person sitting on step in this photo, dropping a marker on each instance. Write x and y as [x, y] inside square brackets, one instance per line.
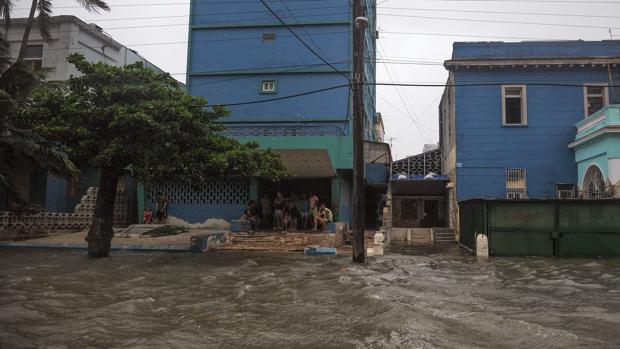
[325, 217]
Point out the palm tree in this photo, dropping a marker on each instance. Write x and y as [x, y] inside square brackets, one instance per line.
[16, 85]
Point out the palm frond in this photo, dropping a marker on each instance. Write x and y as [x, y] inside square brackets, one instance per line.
[19, 82]
[94, 5]
[29, 144]
[5, 51]
[6, 6]
[43, 20]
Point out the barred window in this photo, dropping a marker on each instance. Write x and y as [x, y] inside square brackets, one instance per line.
[516, 184]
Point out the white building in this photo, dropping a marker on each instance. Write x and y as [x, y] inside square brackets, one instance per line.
[69, 35]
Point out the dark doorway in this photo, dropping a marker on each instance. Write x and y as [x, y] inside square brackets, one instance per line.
[322, 187]
[431, 214]
[375, 202]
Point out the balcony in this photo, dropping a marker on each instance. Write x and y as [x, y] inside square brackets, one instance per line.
[606, 120]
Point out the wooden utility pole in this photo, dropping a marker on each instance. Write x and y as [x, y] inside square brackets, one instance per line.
[359, 250]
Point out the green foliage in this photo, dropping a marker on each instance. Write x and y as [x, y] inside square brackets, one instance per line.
[116, 117]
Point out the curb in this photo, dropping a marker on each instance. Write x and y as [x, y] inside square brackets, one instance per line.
[77, 246]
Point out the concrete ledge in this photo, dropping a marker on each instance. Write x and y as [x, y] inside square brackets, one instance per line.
[78, 246]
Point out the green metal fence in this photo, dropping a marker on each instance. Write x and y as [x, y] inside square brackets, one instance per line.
[564, 228]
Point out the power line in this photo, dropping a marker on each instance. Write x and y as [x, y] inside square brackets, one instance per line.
[501, 12]
[301, 41]
[500, 21]
[548, 84]
[277, 98]
[538, 1]
[402, 98]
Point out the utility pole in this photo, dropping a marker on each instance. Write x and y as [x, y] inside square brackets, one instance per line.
[361, 23]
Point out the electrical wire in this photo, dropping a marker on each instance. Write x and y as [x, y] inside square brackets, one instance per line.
[301, 40]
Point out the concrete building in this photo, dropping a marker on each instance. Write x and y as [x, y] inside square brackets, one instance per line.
[241, 52]
[69, 35]
[508, 115]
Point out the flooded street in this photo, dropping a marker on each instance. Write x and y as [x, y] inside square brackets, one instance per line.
[62, 299]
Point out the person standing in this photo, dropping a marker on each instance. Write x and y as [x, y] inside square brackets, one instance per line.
[265, 204]
[302, 208]
[313, 204]
[278, 212]
[161, 208]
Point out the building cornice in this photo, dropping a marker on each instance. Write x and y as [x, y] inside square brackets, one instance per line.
[605, 130]
[559, 62]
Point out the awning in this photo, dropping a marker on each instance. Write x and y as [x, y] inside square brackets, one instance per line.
[419, 187]
[307, 163]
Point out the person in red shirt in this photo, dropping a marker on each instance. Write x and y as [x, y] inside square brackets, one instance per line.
[148, 215]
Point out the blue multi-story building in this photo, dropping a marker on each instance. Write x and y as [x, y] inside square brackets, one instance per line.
[239, 52]
[509, 111]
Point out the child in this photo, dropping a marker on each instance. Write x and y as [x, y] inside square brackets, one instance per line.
[148, 215]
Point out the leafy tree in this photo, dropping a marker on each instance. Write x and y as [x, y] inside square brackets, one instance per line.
[16, 84]
[111, 118]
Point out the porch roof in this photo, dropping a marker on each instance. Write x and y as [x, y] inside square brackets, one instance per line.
[307, 163]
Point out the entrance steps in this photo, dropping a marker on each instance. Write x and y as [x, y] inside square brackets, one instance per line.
[294, 241]
[444, 236]
[421, 236]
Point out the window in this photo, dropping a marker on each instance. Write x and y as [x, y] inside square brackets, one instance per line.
[516, 187]
[269, 37]
[565, 191]
[514, 106]
[34, 57]
[268, 86]
[595, 98]
[594, 184]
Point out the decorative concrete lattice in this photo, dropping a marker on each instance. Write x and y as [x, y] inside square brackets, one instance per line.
[81, 217]
[220, 191]
[419, 165]
[267, 131]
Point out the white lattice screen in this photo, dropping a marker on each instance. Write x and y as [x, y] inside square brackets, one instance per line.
[221, 191]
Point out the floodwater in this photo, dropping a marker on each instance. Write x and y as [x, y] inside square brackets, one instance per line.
[61, 299]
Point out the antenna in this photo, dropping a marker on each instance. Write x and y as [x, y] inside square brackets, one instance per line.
[611, 35]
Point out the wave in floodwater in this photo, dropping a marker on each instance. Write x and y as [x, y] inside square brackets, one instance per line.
[62, 299]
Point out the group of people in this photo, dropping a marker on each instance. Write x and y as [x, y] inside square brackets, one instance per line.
[161, 211]
[294, 212]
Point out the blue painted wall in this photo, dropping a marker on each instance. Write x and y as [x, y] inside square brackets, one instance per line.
[485, 148]
[228, 59]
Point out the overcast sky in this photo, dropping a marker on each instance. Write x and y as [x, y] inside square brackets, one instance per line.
[415, 37]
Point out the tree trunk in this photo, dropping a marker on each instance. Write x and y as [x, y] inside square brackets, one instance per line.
[29, 23]
[100, 233]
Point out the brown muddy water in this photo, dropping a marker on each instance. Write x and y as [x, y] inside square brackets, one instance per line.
[61, 299]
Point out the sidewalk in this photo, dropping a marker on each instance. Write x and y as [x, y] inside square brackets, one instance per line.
[178, 243]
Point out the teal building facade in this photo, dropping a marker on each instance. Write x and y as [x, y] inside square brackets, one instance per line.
[597, 153]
